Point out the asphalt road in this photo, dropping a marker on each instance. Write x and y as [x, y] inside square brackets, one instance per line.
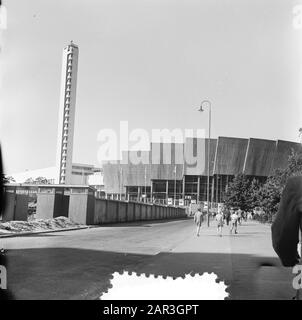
[79, 264]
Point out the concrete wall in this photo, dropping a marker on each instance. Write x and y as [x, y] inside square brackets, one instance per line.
[81, 206]
[45, 205]
[21, 209]
[51, 203]
[9, 212]
[78, 209]
[16, 208]
[101, 209]
[113, 211]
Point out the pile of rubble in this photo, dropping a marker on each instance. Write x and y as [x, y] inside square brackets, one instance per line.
[37, 225]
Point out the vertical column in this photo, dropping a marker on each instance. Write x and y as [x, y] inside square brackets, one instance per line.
[151, 191]
[138, 193]
[213, 188]
[167, 189]
[126, 193]
[198, 188]
[183, 188]
[217, 187]
[221, 190]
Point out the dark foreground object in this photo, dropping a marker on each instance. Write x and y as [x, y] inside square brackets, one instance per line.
[285, 228]
[4, 294]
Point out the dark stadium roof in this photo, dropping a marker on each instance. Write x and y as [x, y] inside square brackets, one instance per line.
[228, 156]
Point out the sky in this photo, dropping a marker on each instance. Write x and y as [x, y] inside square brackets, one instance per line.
[150, 63]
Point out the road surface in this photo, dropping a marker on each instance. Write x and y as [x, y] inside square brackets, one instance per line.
[79, 264]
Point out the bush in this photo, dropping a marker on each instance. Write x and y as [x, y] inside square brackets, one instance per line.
[242, 193]
[248, 194]
[270, 193]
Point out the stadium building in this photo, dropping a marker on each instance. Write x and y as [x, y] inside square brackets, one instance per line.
[167, 172]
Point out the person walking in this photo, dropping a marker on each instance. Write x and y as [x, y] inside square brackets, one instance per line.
[239, 214]
[245, 216]
[198, 219]
[219, 219]
[234, 221]
[227, 216]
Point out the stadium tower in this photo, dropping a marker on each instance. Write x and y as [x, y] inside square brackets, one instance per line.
[67, 113]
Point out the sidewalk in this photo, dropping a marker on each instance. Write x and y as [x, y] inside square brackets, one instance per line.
[245, 261]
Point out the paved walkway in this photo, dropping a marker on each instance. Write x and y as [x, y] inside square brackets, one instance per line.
[79, 264]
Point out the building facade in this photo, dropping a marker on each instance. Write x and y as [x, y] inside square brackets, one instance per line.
[178, 172]
[67, 113]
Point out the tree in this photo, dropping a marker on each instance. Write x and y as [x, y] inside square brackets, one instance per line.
[8, 179]
[252, 195]
[38, 180]
[242, 193]
[270, 193]
[29, 181]
[41, 180]
[269, 197]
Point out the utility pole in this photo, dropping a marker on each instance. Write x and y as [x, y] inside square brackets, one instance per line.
[174, 185]
[145, 184]
[207, 104]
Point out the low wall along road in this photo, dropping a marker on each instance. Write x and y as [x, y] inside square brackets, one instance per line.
[80, 205]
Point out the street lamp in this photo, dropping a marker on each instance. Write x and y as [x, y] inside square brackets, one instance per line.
[174, 185]
[145, 184]
[204, 105]
[121, 182]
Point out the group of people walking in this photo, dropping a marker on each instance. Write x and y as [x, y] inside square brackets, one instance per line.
[231, 217]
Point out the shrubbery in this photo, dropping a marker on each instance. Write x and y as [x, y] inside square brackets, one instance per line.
[247, 194]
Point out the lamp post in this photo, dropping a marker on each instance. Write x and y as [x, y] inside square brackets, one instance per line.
[207, 104]
[121, 182]
[145, 184]
[174, 185]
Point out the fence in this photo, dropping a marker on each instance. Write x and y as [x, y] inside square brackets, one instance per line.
[113, 211]
[80, 205]
[18, 200]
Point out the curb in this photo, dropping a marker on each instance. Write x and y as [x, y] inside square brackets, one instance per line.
[12, 235]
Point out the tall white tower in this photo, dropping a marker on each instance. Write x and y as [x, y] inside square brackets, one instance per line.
[67, 113]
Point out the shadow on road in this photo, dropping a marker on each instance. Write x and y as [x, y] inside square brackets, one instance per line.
[144, 223]
[66, 273]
